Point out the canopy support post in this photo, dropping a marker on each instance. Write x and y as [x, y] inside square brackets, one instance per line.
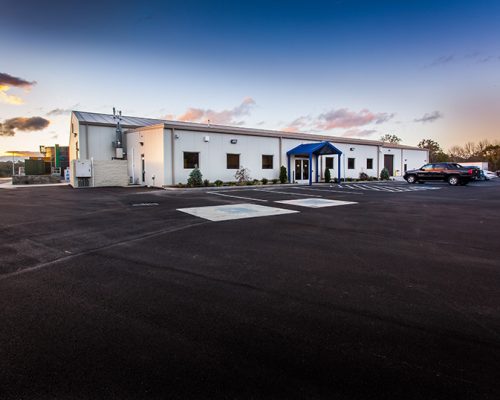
[338, 173]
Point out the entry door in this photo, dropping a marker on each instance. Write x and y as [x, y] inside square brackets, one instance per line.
[302, 170]
[389, 163]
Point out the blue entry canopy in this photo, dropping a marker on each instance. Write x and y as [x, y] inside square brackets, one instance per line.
[317, 149]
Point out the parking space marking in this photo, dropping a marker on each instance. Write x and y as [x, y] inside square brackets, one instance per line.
[235, 211]
[237, 197]
[339, 190]
[378, 187]
[289, 193]
[316, 203]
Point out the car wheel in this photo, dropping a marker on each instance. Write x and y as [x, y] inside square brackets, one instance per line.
[453, 180]
[411, 179]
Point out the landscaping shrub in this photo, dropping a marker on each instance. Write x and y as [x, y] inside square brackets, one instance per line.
[206, 183]
[218, 182]
[328, 176]
[242, 175]
[384, 175]
[363, 176]
[195, 178]
[256, 181]
[283, 174]
[275, 181]
[264, 181]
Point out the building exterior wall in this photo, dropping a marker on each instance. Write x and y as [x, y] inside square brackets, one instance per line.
[213, 154]
[160, 144]
[150, 143]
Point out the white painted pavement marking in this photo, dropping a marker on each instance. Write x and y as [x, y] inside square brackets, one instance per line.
[316, 203]
[289, 193]
[144, 204]
[236, 197]
[234, 211]
[340, 190]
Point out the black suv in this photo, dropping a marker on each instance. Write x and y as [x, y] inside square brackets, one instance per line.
[452, 173]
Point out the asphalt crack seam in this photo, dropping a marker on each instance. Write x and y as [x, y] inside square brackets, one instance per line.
[97, 249]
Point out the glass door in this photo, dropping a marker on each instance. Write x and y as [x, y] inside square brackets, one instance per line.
[302, 170]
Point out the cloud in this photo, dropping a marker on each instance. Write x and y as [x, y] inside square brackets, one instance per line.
[58, 111]
[9, 80]
[441, 61]
[224, 117]
[6, 82]
[344, 118]
[429, 117]
[298, 124]
[357, 133]
[10, 126]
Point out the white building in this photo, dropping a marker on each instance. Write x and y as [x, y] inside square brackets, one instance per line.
[161, 153]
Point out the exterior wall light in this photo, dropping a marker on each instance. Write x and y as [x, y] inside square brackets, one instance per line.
[234, 141]
[206, 139]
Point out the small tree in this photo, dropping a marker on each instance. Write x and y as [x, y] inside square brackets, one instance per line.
[283, 174]
[384, 174]
[242, 175]
[328, 177]
[388, 138]
[195, 178]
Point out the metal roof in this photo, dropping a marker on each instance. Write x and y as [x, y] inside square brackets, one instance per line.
[108, 119]
[315, 148]
[90, 118]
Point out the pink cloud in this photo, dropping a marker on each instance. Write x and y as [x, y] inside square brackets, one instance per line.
[224, 117]
[344, 118]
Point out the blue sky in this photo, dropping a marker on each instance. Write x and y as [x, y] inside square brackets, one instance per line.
[418, 69]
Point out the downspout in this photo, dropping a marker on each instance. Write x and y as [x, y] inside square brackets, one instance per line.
[133, 166]
[401, 170]
[172, 142]
[86, 142]
[378, 162]
[281, 149]
[92, 169]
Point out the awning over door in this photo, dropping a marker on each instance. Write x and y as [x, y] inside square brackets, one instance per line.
[310, 149]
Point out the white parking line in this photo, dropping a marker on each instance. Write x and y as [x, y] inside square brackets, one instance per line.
[331, 190]
[289, 193]
[236, 197]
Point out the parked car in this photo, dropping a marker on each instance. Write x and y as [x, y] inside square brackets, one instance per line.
[487, 175]
[453, 173]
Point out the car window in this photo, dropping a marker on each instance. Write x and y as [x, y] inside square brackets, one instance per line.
[427, 167]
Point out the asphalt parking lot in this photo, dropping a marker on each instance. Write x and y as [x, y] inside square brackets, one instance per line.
[355, 292]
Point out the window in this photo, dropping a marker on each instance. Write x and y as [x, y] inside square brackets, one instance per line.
[406, 167]
[329, 162]
[267, 161]
[191, 160]
[350, 163]
[233, 161]
[369, 163]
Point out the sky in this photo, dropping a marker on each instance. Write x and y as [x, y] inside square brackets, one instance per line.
[354, 68]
